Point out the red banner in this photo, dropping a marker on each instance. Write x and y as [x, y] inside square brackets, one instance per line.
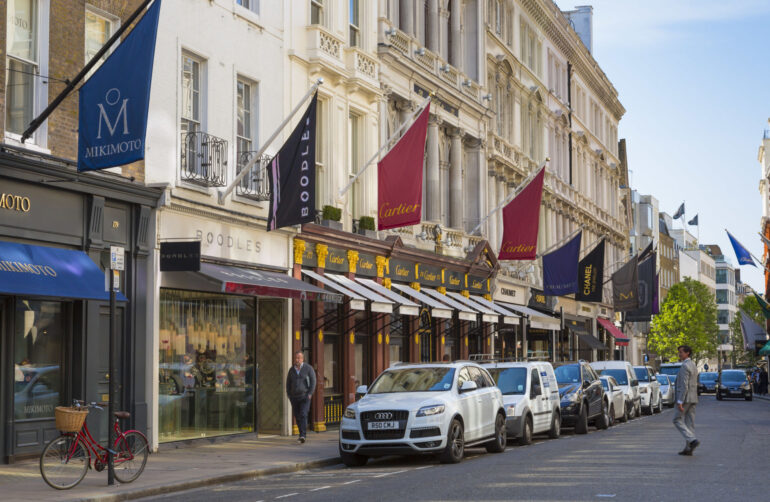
[521, 218]
[399, 178]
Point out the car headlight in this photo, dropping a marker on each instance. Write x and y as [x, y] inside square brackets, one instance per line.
[350, 413]
[722, 386]
[426, 411]
[644, 390]
[572, 397]
[510, 410]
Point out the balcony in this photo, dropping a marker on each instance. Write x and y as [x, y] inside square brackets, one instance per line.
[255, 185]
[204, 159]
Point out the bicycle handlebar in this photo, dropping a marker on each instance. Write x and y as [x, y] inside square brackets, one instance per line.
[99, 406]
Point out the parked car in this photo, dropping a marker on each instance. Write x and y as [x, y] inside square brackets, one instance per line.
[707, 382]
[625, 376]
[649, 389]
[618, 409]
[424, 409]
[667, 391]
[733, 383]
[582, 396]
[670, 369]
[530, 397]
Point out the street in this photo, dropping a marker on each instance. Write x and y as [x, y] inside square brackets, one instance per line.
[633, 461]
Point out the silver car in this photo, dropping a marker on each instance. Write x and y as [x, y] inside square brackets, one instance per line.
[667, 390]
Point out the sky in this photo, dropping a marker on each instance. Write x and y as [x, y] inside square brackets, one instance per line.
[692, 76]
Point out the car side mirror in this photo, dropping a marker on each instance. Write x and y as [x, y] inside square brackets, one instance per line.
[536, 390]
[653, 379]
[361, 389]
[634, 383]
[468, 385]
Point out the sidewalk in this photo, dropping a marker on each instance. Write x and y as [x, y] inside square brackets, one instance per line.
[175, 469]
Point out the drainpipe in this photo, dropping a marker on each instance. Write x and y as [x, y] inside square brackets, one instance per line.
[569, 115]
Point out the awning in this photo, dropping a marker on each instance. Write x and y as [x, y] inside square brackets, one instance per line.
[508, 316]
[438, 309]
[405, 306]
[620, 338]
[765, 351]
[463, 312]
[357, 302]
[591, 341]
[248, 281]
[537, 319]
[487, 314]
[29, 270]
[379, 303]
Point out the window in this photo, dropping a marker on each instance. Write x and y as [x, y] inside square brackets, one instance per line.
[534, 380]
[317, 12]
[191, 94]
[723, 317]
[22, 66]
[99, 28]
[252, 5]
[245, 115]
[722, 296]
[354, 158]
[721, 276]
[355, 26]
[499, 17]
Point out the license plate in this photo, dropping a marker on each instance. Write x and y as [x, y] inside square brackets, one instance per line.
[381, 426]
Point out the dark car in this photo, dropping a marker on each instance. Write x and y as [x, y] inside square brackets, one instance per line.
[582, 396]
[707, 382]
[733, 383]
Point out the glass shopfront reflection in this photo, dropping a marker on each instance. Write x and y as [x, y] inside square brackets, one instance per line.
[206, 371]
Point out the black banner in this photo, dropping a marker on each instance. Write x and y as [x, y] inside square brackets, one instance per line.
[591, 275]
[625, 287]
[646, 273]
[292, 175]
[180, 256]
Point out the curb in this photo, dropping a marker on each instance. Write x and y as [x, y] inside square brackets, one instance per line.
[215, 480]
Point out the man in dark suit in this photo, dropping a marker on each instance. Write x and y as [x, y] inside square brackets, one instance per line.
[300, 384]
[686, 399]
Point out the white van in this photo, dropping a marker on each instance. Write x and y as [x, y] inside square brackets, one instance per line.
[530, 398]
[626, 377]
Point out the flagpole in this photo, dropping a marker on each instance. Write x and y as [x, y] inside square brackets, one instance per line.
[587, 249]
[38, 121]
[511, 196]
[565, 239]
[386, 145]
[255, 158]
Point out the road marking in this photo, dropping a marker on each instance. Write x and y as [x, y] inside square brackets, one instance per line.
[606, 495]
[423, 467]
[287, 495]
[351, 482]
[320, 488]
[389, 473]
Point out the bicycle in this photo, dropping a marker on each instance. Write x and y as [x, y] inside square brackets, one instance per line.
[66, 459]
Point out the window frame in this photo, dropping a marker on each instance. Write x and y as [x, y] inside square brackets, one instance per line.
[354, 28]
[199, 92]
[251, 5]
[114, 23]
[253, 113]
[318, 7]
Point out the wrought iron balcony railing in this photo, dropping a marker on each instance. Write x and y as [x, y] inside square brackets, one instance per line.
[255, 185]
[204, 159]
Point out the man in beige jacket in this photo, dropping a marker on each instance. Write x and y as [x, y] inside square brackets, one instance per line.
[686, 399]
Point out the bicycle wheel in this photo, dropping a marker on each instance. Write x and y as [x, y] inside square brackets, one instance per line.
[131, 451]
[64, 462]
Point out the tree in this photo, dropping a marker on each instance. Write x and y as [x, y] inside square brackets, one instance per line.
[751, 307]
[687, 317]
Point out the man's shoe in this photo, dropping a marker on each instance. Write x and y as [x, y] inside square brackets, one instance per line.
[302, 439]
[687, 451]
[694, 444]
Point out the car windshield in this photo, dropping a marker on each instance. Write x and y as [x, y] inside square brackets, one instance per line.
[620, 375]
[663, 379]
[733, 376]
[605, 384]
[414, 380]
[707, 377]
[642, 375]
[569, 373]
[670, 370]
[511, 381]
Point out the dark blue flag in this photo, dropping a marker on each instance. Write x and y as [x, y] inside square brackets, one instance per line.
[560, 269]
[743, 255]
[679, 212]
[114, 101]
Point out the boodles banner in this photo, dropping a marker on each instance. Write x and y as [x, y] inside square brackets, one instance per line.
[114, 101]
[292, 175]
[625, 287]
[521, 218]
[591, 275]
[399, 178]
[560, 269]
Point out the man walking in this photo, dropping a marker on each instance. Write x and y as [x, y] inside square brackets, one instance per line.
[300, 384]
[686, 400]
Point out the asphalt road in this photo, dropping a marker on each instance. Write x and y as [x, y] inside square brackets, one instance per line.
[633, 461]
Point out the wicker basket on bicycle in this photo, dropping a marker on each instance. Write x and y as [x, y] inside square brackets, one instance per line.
[70, 419]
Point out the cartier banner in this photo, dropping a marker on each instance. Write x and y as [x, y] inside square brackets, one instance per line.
[521, 218]
[399, 178]
[591, 275]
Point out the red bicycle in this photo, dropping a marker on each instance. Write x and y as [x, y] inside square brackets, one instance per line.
[65, 460]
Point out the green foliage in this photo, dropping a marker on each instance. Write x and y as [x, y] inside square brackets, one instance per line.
[687, 317]
[750, 306]
[331, 213]
[366, 223]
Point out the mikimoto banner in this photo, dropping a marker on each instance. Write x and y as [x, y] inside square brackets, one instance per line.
[591, 275]
[399, 178]
[560, 268]
[114, 102]
[292, 175]
[521, 219]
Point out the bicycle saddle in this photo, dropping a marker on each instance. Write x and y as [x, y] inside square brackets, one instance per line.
[122, 414]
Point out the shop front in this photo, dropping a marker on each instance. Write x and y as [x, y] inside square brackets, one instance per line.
[538, 337]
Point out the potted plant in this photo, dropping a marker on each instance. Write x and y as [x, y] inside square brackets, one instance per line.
[366, 227]
[331, 216]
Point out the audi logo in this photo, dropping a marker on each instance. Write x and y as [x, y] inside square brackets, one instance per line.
[383, 415]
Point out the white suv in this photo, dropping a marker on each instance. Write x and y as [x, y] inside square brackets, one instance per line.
[625, 376]
[649, 389]
[438, 408]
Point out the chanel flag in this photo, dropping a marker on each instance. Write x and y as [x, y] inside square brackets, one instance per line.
[625, 286]
[591, 275]
[292, 175]
[560, 269]
[646, 275]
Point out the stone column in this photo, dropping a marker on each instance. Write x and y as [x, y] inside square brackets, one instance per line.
[456, 180]
[502, 193]
[492, 222]
[456, 49]
[406, 16]
[431, 38]
[317, 350]
[433, 181]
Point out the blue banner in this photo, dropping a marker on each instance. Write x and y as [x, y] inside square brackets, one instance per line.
[743, 255]
[560, 269]
[114, 101]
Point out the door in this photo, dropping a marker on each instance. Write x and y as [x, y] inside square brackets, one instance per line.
[469, 404]
[537, 402]
[97, 363]
[593, 392]
[485, 400]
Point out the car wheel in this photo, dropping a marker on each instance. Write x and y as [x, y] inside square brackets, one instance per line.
[632, 411]
[526, 432]
[719, 397]
[581, 426]
[624, 418]
[749, 398]
[497, 445]
[353, 459]
[639, 409]
[659, 408]
[603, 420]
[455, 446]
[555, 431]
[612, 415]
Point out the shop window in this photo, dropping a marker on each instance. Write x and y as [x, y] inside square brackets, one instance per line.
[206, 365]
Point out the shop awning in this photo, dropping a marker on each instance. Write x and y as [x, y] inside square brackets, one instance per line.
[591, 341]
[537, 319]
[248, 281]
[620, 338]
[29, 270]
[508, 316]
[487, 314]
[765, 351]
[379, 303]
[437, 309]
[357, 302]
[405, 306]
[463, 313]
